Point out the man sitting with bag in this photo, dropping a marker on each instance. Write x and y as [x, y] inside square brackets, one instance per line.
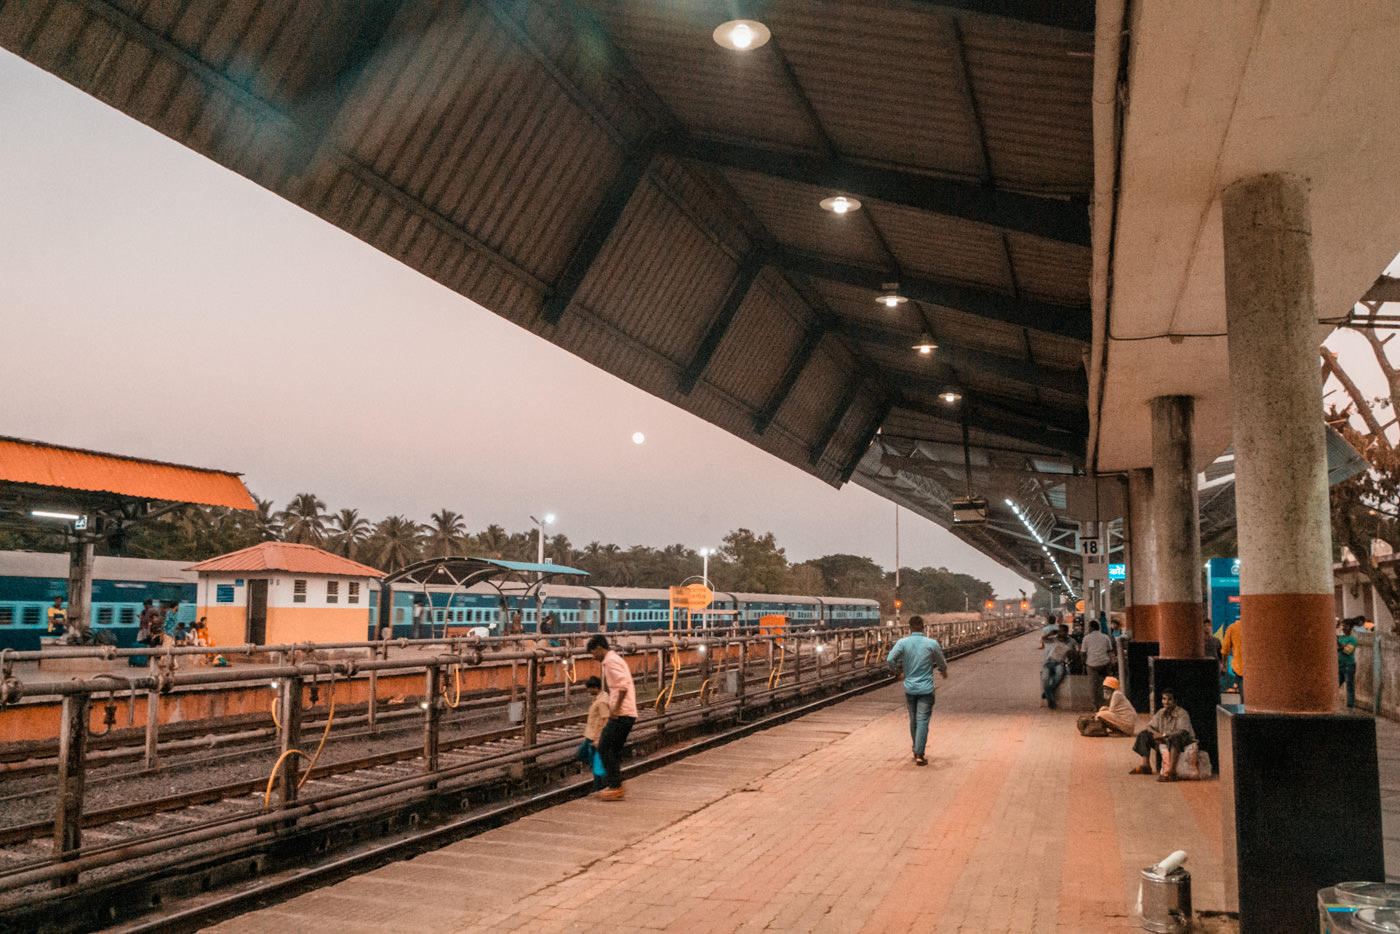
[1170, 726]
[1117, 719]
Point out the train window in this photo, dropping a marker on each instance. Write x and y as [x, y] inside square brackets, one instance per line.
[128, 616]
[298, 591]
[398, 614]
[7, 616]
[31, 616]
[104, 616]
[354, 595]
[332, 591]
[223, 593]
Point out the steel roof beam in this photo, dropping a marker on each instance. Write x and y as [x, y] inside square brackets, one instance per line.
[1054, 439]
[600, 227]
[739, 288]
[1072, 382]
[1073, 15]
[796, 365]
[1059, 219]
[1070, 321]
[833, 424]
[867, 437]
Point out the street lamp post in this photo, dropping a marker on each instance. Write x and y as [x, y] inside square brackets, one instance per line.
[705, 573]
[547, 520]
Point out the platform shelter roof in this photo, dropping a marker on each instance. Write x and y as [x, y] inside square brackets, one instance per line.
[604, 174]
[38, 464]
[462, 572]
[286, 556]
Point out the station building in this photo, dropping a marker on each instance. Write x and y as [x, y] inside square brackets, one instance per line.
[276, 592]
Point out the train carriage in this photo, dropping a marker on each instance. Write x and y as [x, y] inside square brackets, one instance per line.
[29, 581]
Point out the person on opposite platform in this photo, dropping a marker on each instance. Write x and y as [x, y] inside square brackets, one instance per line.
[1169, 726]
[1118, 718]
[918, 656]
[1098, 656]
[1346, 660]
[1232, 645]
[598, 713]
[622, 713]
[58, 619]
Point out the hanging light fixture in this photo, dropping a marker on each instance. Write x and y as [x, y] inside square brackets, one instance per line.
[840, 204]
[890, 297]
[742, 35]
[925, 345]
[950, 396]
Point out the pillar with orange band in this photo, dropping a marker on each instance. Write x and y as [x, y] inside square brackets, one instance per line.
[1285, 534]
[1176, 518]
[1141, 614]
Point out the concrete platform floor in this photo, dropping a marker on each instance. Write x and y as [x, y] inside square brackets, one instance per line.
[824, 824]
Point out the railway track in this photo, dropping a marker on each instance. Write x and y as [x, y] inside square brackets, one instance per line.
[139, 855]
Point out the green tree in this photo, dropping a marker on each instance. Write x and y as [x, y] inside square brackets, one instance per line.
[348, 533]
[752, 563]
[394, 544]
[445, 534]
[304, 520]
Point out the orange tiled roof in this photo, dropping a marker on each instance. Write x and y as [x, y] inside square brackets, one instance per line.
[34, 462]
[284, 556]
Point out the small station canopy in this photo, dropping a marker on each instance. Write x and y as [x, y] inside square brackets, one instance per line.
[456, 571]
[96, 494]
[35, 476]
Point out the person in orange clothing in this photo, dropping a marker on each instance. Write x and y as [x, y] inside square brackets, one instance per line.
[1232, 646]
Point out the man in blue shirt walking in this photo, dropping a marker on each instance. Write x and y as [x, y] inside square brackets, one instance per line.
[918, 655]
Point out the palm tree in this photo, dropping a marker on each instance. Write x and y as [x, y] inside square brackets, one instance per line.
[349, 532]
[394, 543]
[493, 541]
[267, 523]
[445, 534]
[304, 520]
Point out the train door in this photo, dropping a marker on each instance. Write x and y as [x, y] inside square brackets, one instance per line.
[257, 611]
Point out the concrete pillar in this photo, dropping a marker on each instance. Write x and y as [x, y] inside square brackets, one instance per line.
[1176, 517]
[1285, 534]
[1141, 614]
[79, 613]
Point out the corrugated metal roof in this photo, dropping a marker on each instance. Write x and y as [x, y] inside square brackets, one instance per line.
[605, 175]
[285, 556]
[50, 465]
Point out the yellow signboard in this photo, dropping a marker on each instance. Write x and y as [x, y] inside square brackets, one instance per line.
[691, 597]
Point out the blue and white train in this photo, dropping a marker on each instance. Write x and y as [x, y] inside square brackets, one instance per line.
[29, 581]
[437, 612]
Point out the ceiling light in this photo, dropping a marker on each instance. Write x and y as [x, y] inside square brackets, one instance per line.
[925, 345]
[45, 514]
[951, 396]
[890, 297]
[840, 204]
[742, 35]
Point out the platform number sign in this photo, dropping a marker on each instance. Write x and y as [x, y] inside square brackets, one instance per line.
[1091, 550]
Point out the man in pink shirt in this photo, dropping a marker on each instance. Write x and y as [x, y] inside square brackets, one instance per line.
[622, 713]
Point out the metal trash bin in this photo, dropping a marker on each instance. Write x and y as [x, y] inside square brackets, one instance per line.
[1166, 901]
[1359, 908]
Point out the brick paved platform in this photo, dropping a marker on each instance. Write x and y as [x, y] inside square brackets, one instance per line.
[824, 824]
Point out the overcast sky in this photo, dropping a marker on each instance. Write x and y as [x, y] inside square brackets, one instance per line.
[157, 305]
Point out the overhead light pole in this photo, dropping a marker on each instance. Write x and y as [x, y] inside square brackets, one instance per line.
[705, 572]
[547, 520]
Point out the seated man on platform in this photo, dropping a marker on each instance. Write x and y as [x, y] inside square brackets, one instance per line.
[1169, 726]
[1118, 718]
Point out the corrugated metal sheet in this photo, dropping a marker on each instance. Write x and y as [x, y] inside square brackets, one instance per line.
[490, 146]
[39, 464]
[285, 556]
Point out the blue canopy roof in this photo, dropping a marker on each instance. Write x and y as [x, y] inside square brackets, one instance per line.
[459, 571]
